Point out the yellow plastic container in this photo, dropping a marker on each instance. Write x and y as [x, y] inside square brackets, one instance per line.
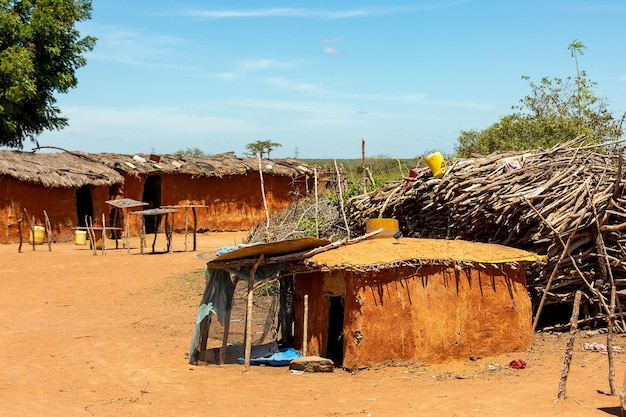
[40, 235]
[437, 164]
[389, 226]
[80, 237]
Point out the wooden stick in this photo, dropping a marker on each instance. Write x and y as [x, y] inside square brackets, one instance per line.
[19, 231]
[570, 346]
[249, 313]
[104, 232]
[609, 342]
[267, 213]
[48, 230]
[32, 227]
[317, 202]
[305, 326]
[341, 205]
[227, 323]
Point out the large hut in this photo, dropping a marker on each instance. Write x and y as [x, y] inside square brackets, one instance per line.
[223, 191]
[216, 193]
[68, 186]
[385, 301]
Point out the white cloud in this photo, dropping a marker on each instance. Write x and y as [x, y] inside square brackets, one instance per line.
[329, 50]
[285, 84]
[249, 66]
[331, 40]
[317, 13]
[136, 48]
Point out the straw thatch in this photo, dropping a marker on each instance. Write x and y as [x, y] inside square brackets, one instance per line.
[211, 166]
[57, 170]
[568, 203]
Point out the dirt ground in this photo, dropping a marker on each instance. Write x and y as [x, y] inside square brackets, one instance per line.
[108, 336]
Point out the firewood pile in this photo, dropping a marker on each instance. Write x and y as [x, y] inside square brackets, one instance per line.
[568, 203]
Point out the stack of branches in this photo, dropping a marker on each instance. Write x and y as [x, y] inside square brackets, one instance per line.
[306, 218]
[567, 203]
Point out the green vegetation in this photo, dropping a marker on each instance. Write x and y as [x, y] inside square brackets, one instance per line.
[193, 152]
[261, 147]
[40, 51]
[556, 111]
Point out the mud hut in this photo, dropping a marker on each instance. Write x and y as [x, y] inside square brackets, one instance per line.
[373, 302]
[223, 191]
[384, 301]
[67, 185]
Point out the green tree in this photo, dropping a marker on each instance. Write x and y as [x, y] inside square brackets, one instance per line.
[557, 110]
[40, 51]
[193, 152]
[261, 147]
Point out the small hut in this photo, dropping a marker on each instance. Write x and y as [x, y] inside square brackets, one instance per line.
[388, 301]
[67, 185]
[385, 301]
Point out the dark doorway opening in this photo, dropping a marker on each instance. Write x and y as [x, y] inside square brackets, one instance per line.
[152, 196]
[334, 346]
[84, 204]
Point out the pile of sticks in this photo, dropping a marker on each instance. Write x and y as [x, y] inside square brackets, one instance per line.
[567, 203]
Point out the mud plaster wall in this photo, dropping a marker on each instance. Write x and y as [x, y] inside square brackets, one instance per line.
[431, 315]
[59, 204]
[234, 202]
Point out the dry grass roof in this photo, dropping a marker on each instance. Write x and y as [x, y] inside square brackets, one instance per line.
[73, 169]
[388, 252]
[58, 170]
[210, 166]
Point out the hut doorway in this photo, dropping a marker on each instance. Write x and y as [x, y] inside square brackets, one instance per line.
[334, 346]
[152, 196]
[84, 204]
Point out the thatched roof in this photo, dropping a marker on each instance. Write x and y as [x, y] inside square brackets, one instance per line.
[210, 166]
[59, 170]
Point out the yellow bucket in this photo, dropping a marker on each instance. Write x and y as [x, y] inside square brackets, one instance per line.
[436, 164]
[389, 226]
[80, 237]
[40, 235]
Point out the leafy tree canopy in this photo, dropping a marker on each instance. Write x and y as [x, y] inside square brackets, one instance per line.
[557, 110]
[40, 51]
[193, 152]
[261, 147]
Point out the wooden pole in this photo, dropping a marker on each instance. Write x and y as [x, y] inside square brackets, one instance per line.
[267, 214]
[364, 171]
[570, 345]
[249, 313]
[186, 227]
[19, 231]
[227, 324]
[343, 211]
[317, 227]
[48, 230]
[195, 226]
[104, 232]
[31, 226]
[609, 343]
[305, 326]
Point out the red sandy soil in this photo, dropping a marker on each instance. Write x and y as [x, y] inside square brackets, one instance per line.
[85, 335]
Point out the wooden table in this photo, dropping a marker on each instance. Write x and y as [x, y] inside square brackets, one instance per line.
[124, 204]
[195, 220]
[168, 226]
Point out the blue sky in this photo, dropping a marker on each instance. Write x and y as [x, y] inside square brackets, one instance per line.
[318, 76]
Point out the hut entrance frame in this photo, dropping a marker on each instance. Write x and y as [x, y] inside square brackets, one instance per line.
[152, 196]
[334, 344]
[84, 204]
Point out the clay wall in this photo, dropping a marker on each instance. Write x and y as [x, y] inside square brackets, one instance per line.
[233, 202]
[59, 204]
[431, 315]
